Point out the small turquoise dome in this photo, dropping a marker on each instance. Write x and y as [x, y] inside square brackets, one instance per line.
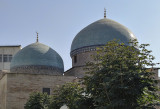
[100, 32]
[37, 56]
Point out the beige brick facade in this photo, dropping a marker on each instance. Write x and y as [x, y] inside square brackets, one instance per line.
[16, 87]
[83, 58]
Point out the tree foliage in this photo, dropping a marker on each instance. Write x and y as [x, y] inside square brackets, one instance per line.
[118, 79]
[38, 101]
[72, 95]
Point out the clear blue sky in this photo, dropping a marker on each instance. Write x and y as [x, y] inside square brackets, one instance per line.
[58, 21]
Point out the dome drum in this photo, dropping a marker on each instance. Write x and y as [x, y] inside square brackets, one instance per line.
[37, 69]
[81, 59]
[84, 49]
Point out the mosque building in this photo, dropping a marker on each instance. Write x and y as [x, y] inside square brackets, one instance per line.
[37, 67]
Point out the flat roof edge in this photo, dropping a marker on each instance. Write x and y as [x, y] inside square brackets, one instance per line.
[10, 45]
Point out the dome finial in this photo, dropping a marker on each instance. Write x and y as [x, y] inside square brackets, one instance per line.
[37, 36]
[104, 12]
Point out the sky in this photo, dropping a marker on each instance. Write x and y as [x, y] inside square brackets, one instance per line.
[58, 21]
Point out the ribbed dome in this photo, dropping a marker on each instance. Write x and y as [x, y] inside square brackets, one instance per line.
[37, 56]
[100, 32]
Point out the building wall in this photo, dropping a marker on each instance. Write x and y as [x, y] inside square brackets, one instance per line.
[83, 58]
[3, 92]
[155, 70]
[1, 74]
[78, 72]
[7, 50]
[19, 86]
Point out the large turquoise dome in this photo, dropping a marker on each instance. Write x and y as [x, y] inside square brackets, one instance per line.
[100, 32]
[39, 57]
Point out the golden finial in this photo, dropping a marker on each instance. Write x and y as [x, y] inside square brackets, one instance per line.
[104, 12]
[37, 36]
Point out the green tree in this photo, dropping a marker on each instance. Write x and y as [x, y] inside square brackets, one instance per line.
[38, 100]
[119, 78]
[72, 95]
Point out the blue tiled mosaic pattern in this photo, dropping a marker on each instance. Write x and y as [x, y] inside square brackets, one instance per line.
[100, 32]
[37, 54]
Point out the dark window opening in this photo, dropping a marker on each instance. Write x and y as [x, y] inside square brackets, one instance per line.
[75, 59]
[46, 90]
[6, 58]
